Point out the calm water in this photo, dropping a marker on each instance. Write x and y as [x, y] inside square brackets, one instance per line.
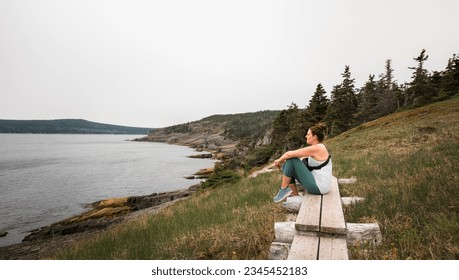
[47, 178]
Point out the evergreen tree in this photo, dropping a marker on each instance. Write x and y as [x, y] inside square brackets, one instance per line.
[420, 91]
[317, 108]
[289, 129]
[368, 101]
[450, 78]
[343, 105]
[387, 100]
[435, 83]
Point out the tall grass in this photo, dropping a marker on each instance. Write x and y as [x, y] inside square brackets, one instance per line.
[407, 169]
[232, 222]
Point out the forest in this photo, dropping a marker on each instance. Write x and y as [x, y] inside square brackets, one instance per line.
[265, 135]
[350, 106]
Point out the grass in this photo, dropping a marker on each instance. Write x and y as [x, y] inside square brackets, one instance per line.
[407, 169]
[232, 222]
[407, 166]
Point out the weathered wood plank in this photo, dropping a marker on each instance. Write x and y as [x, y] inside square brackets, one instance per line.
[293, 204]
[332, 211]
[344, 181]
[279, 251]
[333, 248]
[363, 233]
[309, 215]
[351, 200]
[320, 229]
[304, 248]
[284, 232]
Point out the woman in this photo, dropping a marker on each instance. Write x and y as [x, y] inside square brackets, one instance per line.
[314, 172]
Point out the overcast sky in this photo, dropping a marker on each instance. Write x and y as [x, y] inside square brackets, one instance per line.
[159, 63]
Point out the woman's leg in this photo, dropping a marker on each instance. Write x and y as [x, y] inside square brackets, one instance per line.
[289, 182]
[294, 189]
[295, 168]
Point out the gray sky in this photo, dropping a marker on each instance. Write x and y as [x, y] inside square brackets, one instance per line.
[159, 63]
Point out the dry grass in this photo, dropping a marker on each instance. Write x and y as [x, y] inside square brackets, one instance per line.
[233, 222]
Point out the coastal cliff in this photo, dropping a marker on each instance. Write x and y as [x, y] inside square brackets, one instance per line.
[212, 141]
[225, 136]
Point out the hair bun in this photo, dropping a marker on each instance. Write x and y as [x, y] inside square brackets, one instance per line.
[322, 125]
[320, 130]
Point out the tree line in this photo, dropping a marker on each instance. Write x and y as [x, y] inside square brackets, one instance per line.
[349, 106]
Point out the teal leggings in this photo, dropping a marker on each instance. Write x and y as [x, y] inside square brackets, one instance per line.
[294, 168]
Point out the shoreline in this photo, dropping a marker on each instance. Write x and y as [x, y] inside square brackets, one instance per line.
[103, 215]
[47, 247]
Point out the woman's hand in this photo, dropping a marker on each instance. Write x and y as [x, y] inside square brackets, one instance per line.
[278, 162]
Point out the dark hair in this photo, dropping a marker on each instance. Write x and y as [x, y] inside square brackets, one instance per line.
[320, 130]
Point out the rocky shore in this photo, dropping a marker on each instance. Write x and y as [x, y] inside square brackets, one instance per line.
[42, 243]
[210, 140]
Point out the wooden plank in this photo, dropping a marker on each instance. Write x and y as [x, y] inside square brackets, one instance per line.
[278, 251]
[321, 228]
[333, 248]
[352, 200]
[304, 248]
[344, 181]
[364, 234]
[293, 203]
[309, 215]
[284, 232]
[332, 211]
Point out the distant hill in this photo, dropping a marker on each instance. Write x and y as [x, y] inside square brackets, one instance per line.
[223, 135]
[67, 126]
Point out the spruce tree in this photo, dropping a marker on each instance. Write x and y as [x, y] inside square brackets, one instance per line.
[450, 78]
[289, 129]
[420, 91]
[387, 100]
[368, 101]
[343, 105]
[317, 108]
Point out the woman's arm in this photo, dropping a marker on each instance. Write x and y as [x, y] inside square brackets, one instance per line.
[303, 152]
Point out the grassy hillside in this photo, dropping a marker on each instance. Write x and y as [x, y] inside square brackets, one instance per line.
[407, 165]
[407, 170]
[233, 126]
[67, 126]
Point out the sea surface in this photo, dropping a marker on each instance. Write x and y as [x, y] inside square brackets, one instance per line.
[45, 178]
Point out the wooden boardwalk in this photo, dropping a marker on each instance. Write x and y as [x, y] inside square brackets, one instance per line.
[320, 228]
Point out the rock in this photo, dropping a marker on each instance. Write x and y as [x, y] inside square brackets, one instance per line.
[3, 233]
[201, 156]
[194, 188]
[63, 228]
[146, 201]
[204, 172]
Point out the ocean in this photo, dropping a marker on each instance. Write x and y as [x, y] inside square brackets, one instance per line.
[45, 178]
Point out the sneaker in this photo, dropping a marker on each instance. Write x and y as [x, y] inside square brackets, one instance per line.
[282, 194]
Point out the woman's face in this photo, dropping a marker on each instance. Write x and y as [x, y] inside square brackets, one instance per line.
[309, 137]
